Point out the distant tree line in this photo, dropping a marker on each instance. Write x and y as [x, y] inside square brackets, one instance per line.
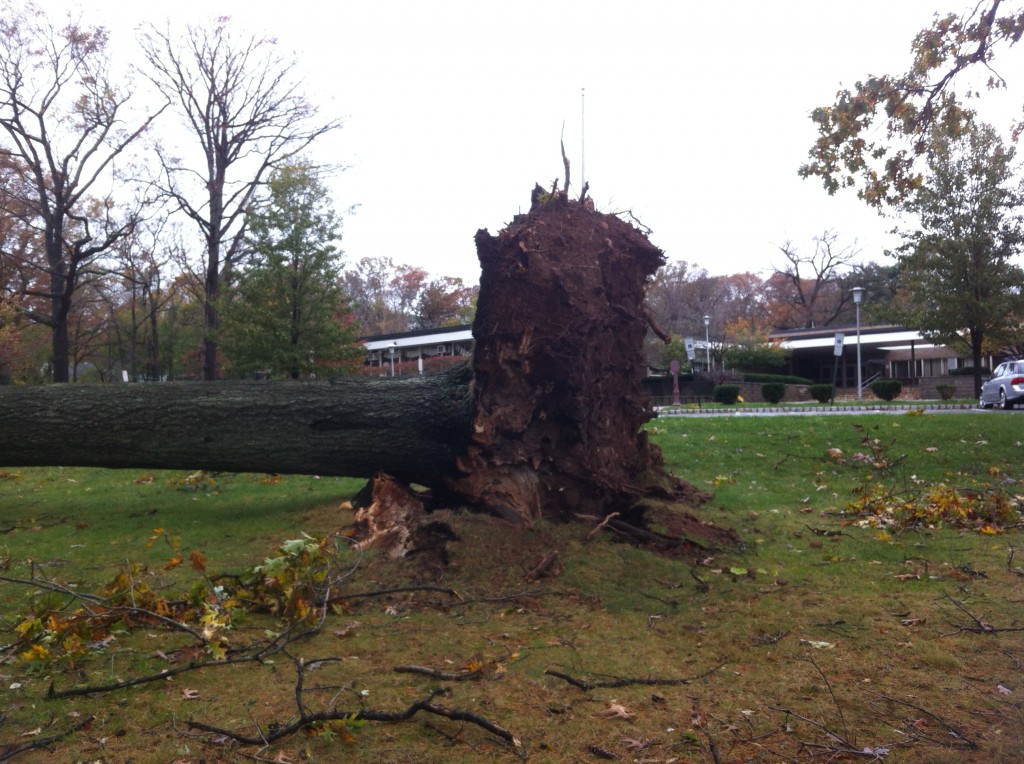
[168, 223]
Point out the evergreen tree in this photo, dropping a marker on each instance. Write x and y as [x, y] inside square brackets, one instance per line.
[287, 314]
[959, 279]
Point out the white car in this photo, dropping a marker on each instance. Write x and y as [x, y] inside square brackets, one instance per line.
[1005, 387]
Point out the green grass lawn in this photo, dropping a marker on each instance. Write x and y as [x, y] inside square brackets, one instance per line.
[823, 636]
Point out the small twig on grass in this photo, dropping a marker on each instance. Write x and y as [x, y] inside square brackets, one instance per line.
[11, 750]
[847, 746]
[542, 568]
[627, 681]
[397, 590]
[1009, 563]
[702, 585]
[530, 593]
[981, 627]
[446, 676]
[601, 525]
[769, 639]
[953, 731]
[839, 709]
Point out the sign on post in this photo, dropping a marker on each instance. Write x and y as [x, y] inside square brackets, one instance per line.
[689, 348]
[839, 344]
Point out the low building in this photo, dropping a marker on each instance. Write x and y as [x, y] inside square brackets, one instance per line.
[394, 350]
[886, 351]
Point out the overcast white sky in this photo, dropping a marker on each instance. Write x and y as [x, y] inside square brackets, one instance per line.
[696, 114]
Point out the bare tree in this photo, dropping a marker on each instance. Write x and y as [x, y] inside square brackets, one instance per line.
[64, 119]
[807, 290]
[239, 99]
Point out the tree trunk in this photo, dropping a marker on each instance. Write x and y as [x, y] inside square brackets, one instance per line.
[547, 422]
[412, 429]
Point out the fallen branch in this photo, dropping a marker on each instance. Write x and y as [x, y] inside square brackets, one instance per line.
[954, 732]
[627, 681]
[11, 750]
[307, 719]
[981, 626]
[604, 523]
[447, 676]
[542, 568]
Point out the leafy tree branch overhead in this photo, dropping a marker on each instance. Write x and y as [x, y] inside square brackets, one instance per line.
[874, 134]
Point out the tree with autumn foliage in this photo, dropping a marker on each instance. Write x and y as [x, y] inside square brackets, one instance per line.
[961, 284]
[876, 135]
[287, 314]
[389, 297]
[65, 125]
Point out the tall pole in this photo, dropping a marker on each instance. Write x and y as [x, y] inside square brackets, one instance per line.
[707, 341]
[858, 295]
[583, 135]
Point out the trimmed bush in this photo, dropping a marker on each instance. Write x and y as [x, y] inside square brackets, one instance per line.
[968, 371]
[887, 389]
[946, 392]
[773, 392]
[821, 393]
[726, 394]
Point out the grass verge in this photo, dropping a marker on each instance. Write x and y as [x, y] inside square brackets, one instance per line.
[828, 636]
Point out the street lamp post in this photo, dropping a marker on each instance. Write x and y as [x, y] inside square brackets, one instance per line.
[858, 295]
[707, 342]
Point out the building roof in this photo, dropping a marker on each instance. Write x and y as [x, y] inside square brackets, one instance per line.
[421, 338]
[881, 337]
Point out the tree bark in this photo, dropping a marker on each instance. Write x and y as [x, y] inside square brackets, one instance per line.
[412, 429]
[546, 423]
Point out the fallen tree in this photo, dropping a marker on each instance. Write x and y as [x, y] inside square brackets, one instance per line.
[546, 422]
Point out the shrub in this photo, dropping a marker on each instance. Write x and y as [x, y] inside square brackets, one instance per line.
[887, 389]
[788, 379]
[726, 394]
[822, 393]
[946, 392]
[755, 356]
[968, 371]
[773, 392]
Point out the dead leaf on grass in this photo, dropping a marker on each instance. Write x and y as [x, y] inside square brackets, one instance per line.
[616, 710]
[636, 744]
[348, 629]
[188, 694]
[283, 758]
[908, 576]
[818, 645]
[1004, 690]
[33, 733]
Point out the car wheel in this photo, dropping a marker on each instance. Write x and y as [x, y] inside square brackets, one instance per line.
[1003, 403]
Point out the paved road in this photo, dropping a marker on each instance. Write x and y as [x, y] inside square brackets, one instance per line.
[931, 408]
